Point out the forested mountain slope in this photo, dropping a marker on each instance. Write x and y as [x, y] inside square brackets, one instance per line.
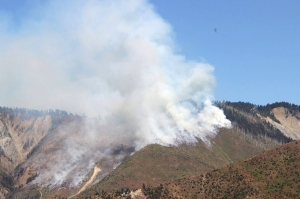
[27, 134]
[266, 120]
[272, 174]
[252, 133]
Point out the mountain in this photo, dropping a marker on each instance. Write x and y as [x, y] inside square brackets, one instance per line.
[30, 138]
[254, 131]
[51, 144]
[272, 174]
[280, 120]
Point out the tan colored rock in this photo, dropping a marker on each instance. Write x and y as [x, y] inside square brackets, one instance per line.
[18, 136]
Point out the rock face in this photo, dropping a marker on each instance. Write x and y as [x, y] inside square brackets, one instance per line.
[19, 135]
[280, 120]
[53, 148]
[289, 122]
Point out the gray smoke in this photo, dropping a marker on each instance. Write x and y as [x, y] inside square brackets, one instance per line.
[115, 60]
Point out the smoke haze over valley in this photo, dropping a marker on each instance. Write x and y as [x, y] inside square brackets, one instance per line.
[114, 60]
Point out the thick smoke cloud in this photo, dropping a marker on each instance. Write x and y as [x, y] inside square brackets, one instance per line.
[115, 60]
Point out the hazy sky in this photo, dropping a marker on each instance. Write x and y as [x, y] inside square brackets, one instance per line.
[255, 49]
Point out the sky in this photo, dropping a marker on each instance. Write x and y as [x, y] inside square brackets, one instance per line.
[253, 45]
[255, 50]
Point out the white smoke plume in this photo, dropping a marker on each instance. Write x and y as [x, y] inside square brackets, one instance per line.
[115, 60]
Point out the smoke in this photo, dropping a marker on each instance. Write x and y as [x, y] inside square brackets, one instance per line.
[115, 60]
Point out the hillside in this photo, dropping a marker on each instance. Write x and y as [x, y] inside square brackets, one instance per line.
[272, 174]
[19, 134]
[28, 135]
[6, 182]
[156, 164]
[250, 135]
[263, 121]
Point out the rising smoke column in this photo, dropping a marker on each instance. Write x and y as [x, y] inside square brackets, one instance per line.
[115, 60]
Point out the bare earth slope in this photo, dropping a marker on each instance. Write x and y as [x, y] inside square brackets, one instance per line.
[289, 122]
[19, 135]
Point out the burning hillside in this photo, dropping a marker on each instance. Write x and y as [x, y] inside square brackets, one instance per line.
[113, 60]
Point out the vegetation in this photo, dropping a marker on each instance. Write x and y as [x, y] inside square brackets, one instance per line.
[249, 136]
[293, 108]
[31, 112]
[155, 164]
[245, 116]
[192, 171]
[6, 180]
[273, 174]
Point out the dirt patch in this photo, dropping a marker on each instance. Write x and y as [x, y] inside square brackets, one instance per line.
[290, 125]
[90, 181]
